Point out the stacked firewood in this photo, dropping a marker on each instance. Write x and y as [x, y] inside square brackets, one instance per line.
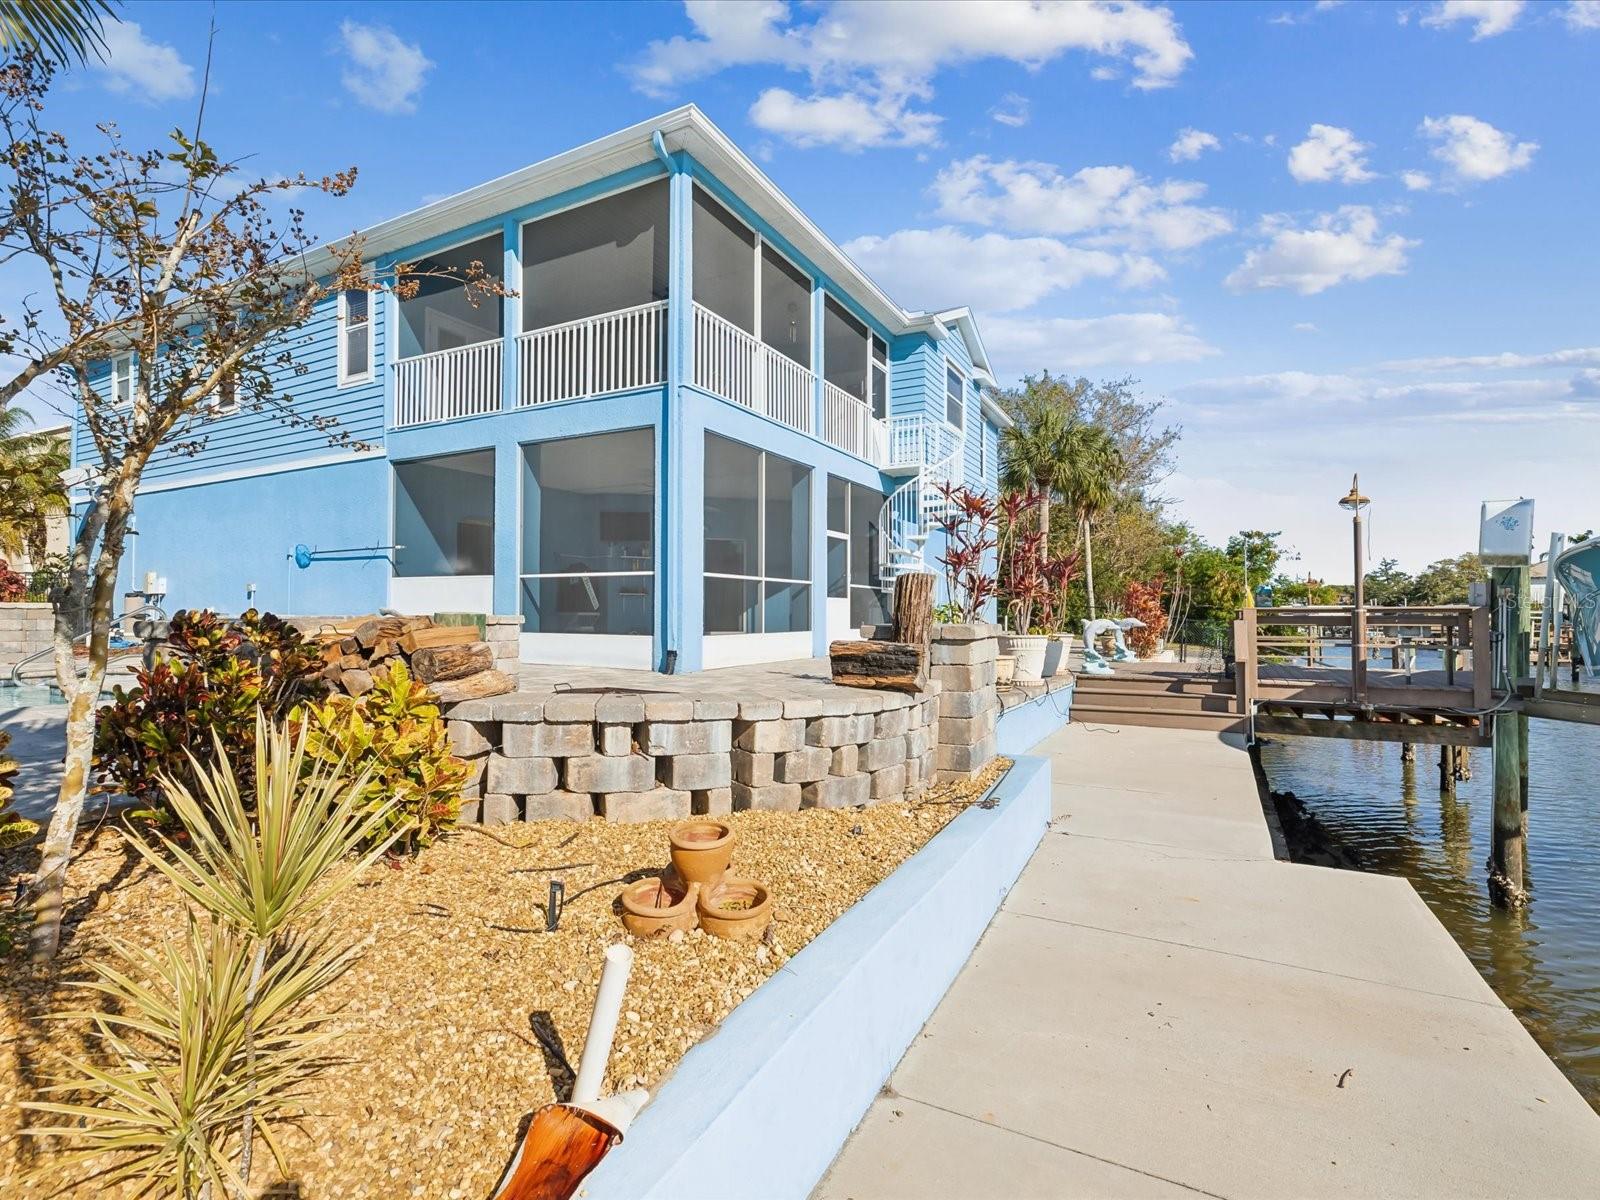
[453, 660]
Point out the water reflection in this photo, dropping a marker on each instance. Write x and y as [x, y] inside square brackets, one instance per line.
[1544, 961]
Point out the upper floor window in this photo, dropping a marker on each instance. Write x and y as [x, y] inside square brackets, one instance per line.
[983, 452]
[355, 336]
[744, 280]
[955, 391]
[122, 377]
[846, 350]
[880, 378]
[444, 314]
[601, 257]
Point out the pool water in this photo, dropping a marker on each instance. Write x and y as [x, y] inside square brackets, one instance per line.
[30, 695]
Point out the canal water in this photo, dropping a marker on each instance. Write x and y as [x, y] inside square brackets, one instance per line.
[1544, 961]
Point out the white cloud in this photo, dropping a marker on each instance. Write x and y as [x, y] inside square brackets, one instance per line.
[1079, 343]
[136, 66]
[1582, 14]
[938, 268]
[385, 73]
[1329, 153]
[1587, 356]
[851, 122]
[1475, 150]
[1013, 110]
[1108, 205]
[1416, 181]
[1304, 327]
[1487, 17]
[1191, 144]
[1338, 247]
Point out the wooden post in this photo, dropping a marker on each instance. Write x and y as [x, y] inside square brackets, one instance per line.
[1450, 652]
[1408, 752]
[1506, 888]
[1482, 659]
[913, 608]
[1447, 770]
[1244, 659]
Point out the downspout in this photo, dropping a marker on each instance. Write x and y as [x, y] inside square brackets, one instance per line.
[669, 652]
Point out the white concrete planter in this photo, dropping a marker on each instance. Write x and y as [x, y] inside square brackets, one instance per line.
[1029, 649]
[1057, 653]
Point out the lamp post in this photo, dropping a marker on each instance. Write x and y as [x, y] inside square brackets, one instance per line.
[1357, 504]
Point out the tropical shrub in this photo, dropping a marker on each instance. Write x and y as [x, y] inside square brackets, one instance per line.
[1143, 600]
[13, 587]
[394, 735]
[1023, 588]
[200, 699]
[214, 1037]
[968, 522]
[14, 830]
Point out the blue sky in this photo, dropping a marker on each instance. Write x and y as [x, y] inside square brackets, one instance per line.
[1335, 237]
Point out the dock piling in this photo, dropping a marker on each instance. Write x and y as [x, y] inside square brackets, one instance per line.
[1509, 830]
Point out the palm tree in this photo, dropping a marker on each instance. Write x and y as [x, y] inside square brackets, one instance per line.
[1095, 468]
[30, 486]
[63, 31]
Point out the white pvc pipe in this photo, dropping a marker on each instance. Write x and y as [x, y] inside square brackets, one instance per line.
[603, 1024]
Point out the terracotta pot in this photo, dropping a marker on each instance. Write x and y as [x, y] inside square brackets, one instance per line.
[1005, 669]
[740, 924]
[1029, 651]
[656, 907]
[701, 849]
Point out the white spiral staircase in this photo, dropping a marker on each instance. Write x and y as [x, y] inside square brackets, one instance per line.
[929, 453]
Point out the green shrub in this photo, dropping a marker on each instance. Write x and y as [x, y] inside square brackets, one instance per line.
[200, 695]
[14, 830]
[395, 733]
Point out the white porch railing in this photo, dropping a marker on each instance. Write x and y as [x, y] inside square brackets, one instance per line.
[733, 364]
[612, 352]
[916, 442]
[849, 424]
[447, 384]
[935, 452]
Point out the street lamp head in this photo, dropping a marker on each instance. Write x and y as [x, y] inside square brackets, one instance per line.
[1355, 501]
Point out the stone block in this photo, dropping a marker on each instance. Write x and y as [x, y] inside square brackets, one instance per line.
[716, 708]
[616, 739]
[713, 802]
[760, 710]
[655, 804]
[599, 773]
[520, 776]
[883, 752]
[619, 710]
[918, 740]
[891, 723]
[803, 766]
[889, 783]
[686, 737]
[513, 706]
[497, 810]
[839, 705]
[753, 767]
[963, 731]
[964, 633]
[773, 797]
[668, 708]
[468, 738]
[837, 792]
[841, 731]
[695, 772]
[966, 679]
[470, 813]
[964, 654]
[518, 740]
[845, 760]
[802, 708]
[965, 759]
[571, 706]
[966, 704]
[770, 736]
[558, 806]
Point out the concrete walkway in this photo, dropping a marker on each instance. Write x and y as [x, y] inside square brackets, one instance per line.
[1161, 1009]
[38, 743]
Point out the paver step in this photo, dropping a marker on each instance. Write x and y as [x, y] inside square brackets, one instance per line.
[1156, 718]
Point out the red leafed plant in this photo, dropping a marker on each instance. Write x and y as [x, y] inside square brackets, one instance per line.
[1058, 574]
[970, 536]
[1143, 600]
[12, 586]
[1023, 584]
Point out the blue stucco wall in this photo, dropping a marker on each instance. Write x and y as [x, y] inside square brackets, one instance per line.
[212, 540]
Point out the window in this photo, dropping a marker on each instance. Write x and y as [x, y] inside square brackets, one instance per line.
[444, 515]
[983, 451]
[880, 378]
[122, 368]
[855, 566]
[845, 350]
[597, 258]
[757, 541]
[588, 534]
[724, 271]
[355, 336]
[785, 307]
[443, 315]
[955, 391]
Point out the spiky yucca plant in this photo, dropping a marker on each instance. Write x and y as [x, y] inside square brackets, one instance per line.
[229, 1003]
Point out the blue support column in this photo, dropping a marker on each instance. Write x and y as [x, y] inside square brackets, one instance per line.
[389, 314]
[507, 526]
[818, 307]
[511, 307]
[819, 491]
[680, 482]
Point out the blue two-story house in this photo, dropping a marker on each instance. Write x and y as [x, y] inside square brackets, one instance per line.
[696, 435]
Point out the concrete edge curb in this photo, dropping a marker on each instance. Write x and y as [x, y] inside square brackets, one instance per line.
[1023, 726]
[765, 1105]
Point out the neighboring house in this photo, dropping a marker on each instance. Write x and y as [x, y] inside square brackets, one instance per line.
[697, 431]
[58, 529]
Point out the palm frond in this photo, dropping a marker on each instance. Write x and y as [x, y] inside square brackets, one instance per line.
[65, 31]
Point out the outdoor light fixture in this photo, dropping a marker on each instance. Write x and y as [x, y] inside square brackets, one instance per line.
[1355, 501]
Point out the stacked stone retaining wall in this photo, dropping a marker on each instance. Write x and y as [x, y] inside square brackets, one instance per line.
[24, 629]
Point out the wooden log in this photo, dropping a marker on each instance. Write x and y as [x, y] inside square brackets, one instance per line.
[434, 664]
[385, 648]
[473, 687]
[913, 608]
[369, 632]
[349, 645]
[890, 666]
[356, 683]
[353, 662]
[437, 635]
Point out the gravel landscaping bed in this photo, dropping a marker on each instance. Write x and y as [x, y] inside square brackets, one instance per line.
[457, 1019]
